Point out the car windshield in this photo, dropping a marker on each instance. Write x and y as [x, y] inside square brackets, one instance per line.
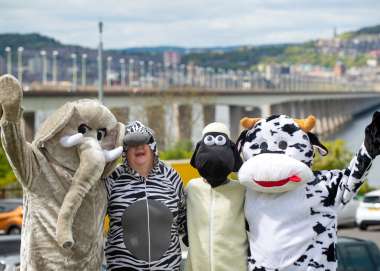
[372, 199]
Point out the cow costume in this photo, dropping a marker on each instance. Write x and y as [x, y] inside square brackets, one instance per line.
[292, 211]
[215, 205]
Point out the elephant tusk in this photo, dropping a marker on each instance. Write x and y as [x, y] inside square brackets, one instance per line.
[112, 154]
[70, 141]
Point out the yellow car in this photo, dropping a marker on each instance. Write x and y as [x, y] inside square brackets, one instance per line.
[11, 216]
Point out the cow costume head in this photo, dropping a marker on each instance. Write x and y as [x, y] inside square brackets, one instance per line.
[278, 152]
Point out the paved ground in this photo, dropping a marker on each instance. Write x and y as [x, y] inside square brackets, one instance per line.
[372, 233]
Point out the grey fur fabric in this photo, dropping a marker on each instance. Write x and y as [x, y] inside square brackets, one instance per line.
[64, 197]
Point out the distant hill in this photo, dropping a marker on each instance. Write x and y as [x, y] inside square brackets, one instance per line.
[369, 30]
[32, 41]
[236, 57]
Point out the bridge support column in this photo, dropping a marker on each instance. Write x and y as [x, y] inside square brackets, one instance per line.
[197, 122]
[315, 110]
[222, 114]
[185, 119]
[172, 127]
[208, 114]
[236, 113]
[157, 122]
[266, 110]
[138, 112]
[121, 114]
[293, 109]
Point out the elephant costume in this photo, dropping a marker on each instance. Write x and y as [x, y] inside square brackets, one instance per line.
[60, 173]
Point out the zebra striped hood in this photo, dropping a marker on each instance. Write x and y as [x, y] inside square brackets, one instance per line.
[137, 127]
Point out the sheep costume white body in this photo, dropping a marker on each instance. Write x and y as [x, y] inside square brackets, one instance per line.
[60, 172]
[292, 211]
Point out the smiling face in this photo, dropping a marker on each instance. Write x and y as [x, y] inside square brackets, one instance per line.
[140, 156]
[278, 155]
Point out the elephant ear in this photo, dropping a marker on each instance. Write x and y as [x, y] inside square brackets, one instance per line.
[54, 124]
[113, 139]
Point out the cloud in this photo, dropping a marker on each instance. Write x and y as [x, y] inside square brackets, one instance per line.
[187, 22]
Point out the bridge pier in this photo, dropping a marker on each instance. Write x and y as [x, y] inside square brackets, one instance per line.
[157, 122]
[198, 116]
[208, 114]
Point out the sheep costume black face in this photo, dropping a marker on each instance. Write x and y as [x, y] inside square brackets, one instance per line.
[291, 211]
[216, 156]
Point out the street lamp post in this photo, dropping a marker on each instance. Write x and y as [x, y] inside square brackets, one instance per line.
[150, 72]
[55, 69]
[8, 50]
[130, 71]
[142, 72]
[122, 71]
[74, 80]
[108, 73]
[44, 66]
[19, 63]
[100, 64]
[84, 72]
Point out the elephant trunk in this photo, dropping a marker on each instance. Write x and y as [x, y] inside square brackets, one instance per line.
[92, 163]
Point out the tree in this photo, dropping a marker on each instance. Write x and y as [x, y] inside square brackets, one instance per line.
[6, 174]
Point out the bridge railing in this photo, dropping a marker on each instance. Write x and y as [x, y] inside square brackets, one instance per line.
[62, 69]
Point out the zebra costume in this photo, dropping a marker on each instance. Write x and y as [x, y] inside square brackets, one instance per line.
[147, 214]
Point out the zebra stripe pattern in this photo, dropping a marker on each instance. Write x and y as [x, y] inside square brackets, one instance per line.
[124, 188]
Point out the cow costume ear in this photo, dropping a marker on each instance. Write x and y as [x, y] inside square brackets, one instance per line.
[307, 124]
[241, 140]
[248, 123]
[193, 157]
[316, 143]
[237, 157]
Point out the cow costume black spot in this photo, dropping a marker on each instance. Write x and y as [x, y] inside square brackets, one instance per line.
[291, 211]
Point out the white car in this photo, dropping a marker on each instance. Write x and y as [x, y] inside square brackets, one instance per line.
[347, 214]
[368, 212]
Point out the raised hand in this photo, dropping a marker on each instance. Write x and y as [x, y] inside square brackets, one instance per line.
[10, 97]
[372, 136]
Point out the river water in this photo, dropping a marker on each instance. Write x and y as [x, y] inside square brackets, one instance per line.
[353, 135]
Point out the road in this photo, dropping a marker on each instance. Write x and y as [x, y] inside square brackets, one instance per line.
[372, 233]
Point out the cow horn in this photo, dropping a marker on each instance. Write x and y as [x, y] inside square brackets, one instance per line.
[306, 124]
[248, 123]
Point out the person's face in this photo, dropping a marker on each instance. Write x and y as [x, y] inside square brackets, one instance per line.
[140, 155]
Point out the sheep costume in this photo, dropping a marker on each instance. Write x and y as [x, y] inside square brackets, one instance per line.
[292, 211]
[60, 171]
[215, 205]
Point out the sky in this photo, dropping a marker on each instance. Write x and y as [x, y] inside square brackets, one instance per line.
[186, 23]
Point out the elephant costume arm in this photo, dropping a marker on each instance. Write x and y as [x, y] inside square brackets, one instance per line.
[18, 150]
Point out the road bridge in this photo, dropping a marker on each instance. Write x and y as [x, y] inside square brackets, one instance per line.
[181, 112]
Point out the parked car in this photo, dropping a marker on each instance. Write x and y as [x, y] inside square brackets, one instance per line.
[368, 212]
[347, 215]
[353, 255]
[10, 252]
[11, 216]
[357, 255]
